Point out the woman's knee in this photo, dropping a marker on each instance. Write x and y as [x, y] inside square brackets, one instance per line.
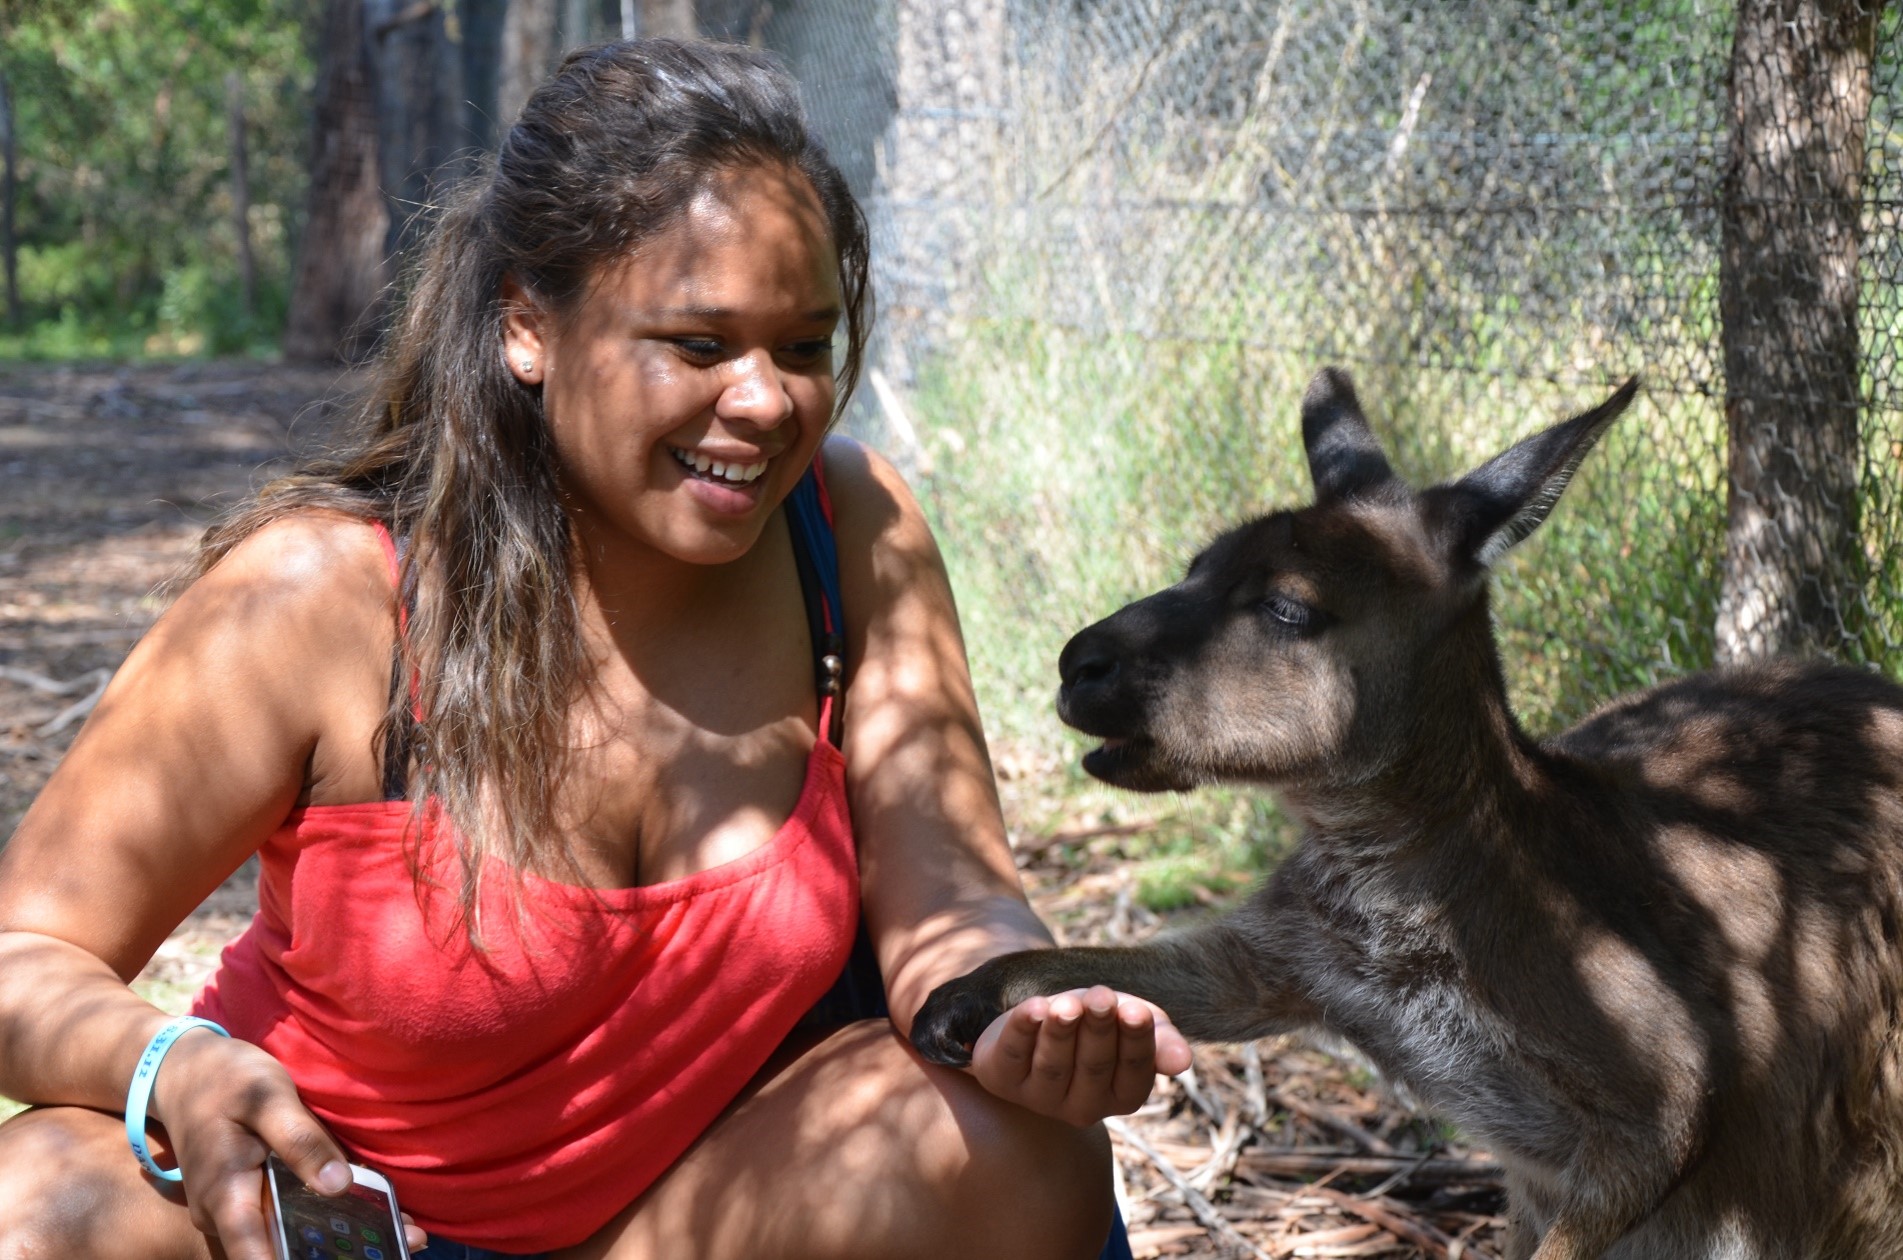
[61, 1197]
[1032, 1186]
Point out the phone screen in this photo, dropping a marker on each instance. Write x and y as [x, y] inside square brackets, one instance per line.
[360, 1224]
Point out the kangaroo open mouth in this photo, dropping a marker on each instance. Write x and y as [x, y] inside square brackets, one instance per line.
[1116, 754]
[1136, 763]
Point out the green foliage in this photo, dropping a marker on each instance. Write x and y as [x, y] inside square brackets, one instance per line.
[127, 244]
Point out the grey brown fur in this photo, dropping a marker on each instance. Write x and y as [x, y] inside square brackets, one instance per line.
[1653, 962]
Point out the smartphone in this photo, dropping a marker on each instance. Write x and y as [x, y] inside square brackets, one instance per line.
[360, 1224]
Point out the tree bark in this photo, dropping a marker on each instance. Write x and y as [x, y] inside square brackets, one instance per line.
[577, 23]
[341, 265]
[9, 193]
[528, 54]
[1800, 93]
[668, 17]
[416, 74]
[241, 194]
[483, 26]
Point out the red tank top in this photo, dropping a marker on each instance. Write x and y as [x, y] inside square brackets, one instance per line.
[521, 1096]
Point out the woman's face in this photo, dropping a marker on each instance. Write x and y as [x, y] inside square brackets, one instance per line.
[693, 384]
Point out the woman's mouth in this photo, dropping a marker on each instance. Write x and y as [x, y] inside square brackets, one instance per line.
[717, 471]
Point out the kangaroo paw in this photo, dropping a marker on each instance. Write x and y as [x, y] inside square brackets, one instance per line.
[953, 1016]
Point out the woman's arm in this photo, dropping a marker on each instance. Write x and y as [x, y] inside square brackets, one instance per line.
[941, 891]
[245, 695]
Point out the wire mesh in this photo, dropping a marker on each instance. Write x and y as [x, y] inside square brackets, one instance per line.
[1114, 237]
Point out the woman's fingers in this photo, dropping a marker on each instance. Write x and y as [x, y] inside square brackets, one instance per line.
[1172, 1048]
[1099, 1041]
[1135, 1069]
[311, 1154]
[224, 1187]
[1054, 1058]
[1001, 1059]
[1080, 1055]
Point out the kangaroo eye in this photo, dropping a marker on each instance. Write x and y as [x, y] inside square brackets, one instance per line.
[1291, 614]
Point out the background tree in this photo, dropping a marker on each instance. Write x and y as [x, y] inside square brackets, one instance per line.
[1800, 93]
[341, 261]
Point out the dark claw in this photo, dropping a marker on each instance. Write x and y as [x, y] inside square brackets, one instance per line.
[951, 1019]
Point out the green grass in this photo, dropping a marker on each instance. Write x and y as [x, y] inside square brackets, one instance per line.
[1073, 469]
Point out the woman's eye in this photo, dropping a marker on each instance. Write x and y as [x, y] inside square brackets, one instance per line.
[809, 351]
[698, 348]
[1291, 614]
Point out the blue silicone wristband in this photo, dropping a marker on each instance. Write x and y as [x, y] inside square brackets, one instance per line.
[140, 1095]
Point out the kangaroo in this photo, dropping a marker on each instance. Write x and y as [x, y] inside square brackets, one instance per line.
[1653, 962]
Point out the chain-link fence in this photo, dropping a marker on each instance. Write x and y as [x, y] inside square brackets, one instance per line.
[1114, 238]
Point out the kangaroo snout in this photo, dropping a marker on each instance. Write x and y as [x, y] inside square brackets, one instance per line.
[1088, 671]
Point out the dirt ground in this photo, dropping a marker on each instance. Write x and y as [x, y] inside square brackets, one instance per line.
[109, 474]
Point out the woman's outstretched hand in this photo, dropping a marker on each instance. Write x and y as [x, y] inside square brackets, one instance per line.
[1080, 1055]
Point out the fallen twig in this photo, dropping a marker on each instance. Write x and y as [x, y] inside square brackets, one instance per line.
[1330, 1118]
[1298, 1165]
[1203, 1209]
[51, 686]
[1426, 1237]
[73, 712]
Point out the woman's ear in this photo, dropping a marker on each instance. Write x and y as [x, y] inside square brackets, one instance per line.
[525, 340]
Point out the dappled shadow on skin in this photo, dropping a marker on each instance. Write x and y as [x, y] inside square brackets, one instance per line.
[72, 1189]
[847, 1145]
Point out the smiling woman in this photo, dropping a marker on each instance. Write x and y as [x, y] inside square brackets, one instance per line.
[691, 373]
[589, 712]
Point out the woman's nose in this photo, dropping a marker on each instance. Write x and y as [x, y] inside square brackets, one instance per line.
[755, 393]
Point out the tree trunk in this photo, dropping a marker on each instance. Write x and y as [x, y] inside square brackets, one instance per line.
[668, 17]
[1792, 226]
[528, 54]
[416, 73]
[578, 23]
[9, 192]
[241, 195]
[341, 265]
[483, 24]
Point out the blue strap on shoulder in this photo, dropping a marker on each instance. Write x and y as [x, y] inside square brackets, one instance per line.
[816, 554]
[813, 535]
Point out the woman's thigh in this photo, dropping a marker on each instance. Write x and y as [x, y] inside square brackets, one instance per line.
[70, 1187]
[852, 1146]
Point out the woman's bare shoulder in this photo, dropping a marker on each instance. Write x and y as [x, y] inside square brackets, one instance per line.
[308, 554]
[870, 496]
[301, 603]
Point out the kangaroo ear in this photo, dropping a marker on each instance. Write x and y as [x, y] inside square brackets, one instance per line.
[1343, 456]
[1501, 502]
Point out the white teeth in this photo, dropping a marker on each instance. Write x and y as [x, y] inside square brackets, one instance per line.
[740, 474]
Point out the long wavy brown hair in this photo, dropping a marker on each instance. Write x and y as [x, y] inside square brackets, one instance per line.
[451, 451]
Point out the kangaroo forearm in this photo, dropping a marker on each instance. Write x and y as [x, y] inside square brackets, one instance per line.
[71, 1032]
[1215, 984]
[1209, 982]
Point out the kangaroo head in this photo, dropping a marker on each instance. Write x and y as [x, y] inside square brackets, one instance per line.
[1317, 643]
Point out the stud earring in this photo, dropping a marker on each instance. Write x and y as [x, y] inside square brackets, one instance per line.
[528, 365]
